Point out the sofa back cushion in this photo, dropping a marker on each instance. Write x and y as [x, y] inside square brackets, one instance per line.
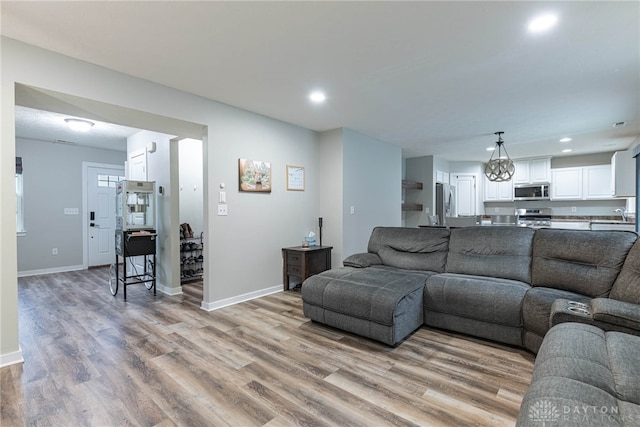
[491, 251]
[411, 248]
[585, 262]
[627, 285]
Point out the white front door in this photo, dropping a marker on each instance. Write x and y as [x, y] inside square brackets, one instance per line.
[101, 211]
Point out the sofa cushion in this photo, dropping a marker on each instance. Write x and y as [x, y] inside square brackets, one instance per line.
[627, 284]
[370, 293]
[503, 252]
[411, 248]
[476, 297]
[536, 309]
[584, 262]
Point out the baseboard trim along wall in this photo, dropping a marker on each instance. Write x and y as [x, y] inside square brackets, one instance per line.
[210, 306]
[11, 358]
[64, 269]
[167, 290]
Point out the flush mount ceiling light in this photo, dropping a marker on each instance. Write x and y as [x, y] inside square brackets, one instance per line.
[542, 23]
[317, 97]
[501, 168]
[79, 125]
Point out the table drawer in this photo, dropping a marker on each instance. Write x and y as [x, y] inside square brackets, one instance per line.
[294, 259]
[294, 270]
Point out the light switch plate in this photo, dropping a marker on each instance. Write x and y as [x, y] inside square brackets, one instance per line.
[222, 210]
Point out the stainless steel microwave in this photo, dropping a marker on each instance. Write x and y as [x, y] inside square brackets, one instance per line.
[531, 192]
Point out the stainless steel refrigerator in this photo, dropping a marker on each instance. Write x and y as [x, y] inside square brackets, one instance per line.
[445, 202]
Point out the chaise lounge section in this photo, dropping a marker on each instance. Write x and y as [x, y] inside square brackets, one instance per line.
[379, 294]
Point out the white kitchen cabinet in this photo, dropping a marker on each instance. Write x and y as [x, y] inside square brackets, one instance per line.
[597, 182]
[532, 171]
[571, 225]
[623, 173]
[498, 191]
[442, 176]
[521, 175]
[566, 184]
[581, 183]
[619, 226]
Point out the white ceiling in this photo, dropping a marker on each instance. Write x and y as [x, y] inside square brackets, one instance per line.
[432, 77]
[41, 125]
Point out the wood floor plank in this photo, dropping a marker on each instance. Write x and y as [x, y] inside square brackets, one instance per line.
[92, 359]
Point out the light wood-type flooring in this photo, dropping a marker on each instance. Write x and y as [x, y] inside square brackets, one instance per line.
[92, 359]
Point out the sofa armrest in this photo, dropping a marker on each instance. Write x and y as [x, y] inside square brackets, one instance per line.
[362, 260]
[615, 312]
[605, 313]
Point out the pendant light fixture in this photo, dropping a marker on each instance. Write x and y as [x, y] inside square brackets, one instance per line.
[501, 168]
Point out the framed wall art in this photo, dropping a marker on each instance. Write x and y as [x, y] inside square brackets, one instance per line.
[295, 178]
[254, 176]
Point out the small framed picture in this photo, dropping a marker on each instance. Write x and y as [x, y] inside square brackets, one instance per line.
[295, 178]
[254, 175]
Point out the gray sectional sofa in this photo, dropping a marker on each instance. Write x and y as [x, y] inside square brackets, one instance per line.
[506, 284]
[498, 283]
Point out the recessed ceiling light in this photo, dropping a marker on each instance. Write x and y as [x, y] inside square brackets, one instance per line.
[565, 140]
[567, 150]
[542, 23]
[317, 97]
[79, 125]
[491, 148]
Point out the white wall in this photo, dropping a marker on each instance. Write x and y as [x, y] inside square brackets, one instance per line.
[330, 192]
[191, 181]
[372, 184]
[52, 181]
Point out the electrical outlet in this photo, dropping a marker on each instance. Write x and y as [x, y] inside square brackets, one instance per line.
[353, 210]
[497, 210]
[426, 210]
[222, 210]
[574, 209]
[54, 251]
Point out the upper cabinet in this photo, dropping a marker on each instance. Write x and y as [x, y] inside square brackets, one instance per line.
[532, 171]
[581, 183]
[597, 182]
[566, 184]
[623, 167]
[498, 191]
[442, 177]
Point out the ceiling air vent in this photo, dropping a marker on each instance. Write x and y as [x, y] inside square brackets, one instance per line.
[62, 141]
[619, 124]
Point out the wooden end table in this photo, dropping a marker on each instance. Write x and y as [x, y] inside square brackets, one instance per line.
[302, 262]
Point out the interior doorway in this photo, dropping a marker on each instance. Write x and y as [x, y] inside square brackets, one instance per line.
[191, 195]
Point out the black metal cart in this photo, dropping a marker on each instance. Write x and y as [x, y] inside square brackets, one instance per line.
[134, 244]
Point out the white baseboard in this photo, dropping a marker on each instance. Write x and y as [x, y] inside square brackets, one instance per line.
[11, 358]
[168, 291]
[50, 270]
[210, 306]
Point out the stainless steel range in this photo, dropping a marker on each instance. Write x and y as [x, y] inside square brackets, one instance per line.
[534, 218]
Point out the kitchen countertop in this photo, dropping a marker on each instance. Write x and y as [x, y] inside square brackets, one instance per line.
[610, 219]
